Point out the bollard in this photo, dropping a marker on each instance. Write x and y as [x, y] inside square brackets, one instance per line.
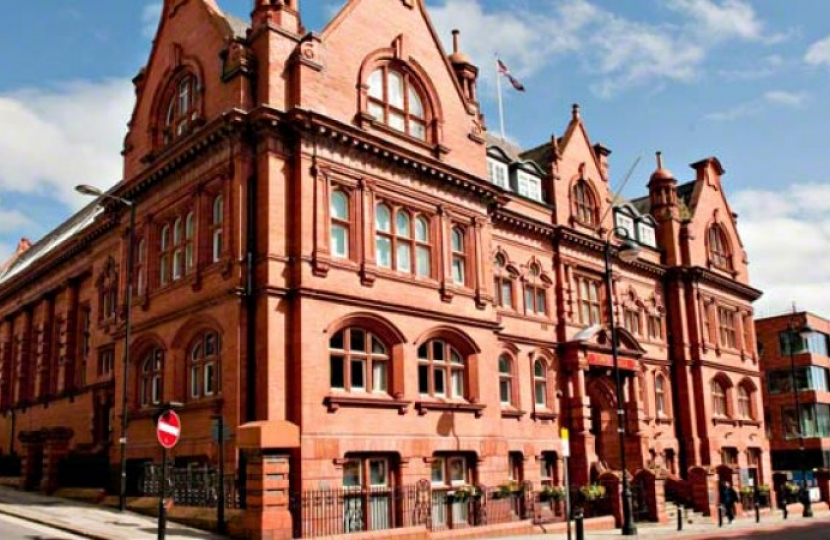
[784, 509]
[580, 526]
[757, 512]
[679, 518]
[720, 516]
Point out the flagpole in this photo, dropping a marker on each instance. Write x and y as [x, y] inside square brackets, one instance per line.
[501, 105]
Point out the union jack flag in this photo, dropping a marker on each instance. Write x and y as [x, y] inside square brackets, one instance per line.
[504, 70]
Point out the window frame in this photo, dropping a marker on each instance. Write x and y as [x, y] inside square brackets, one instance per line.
[199, 360]
[727, 330]
[181, 110]
[217, 227]
[368, 358]
[340, 223]
[590, 309]
[458, 258]
[540, 384]
[151, 377]
[409, 85]
[446, 367]
[585, 207]
[535, 293]
[503, 280]
[720, 398]
[507, 380]
[720, 253]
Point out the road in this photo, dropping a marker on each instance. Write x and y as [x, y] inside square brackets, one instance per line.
[16, 529]
[817, 531]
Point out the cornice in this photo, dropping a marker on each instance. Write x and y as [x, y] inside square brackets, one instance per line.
[711, 278]
[565, 236]
[518, 221]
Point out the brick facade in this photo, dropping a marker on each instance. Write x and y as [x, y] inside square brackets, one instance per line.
[412, 359]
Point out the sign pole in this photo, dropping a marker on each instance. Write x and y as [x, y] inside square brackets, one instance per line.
[162, 523]
[566, 453]
[220, 511]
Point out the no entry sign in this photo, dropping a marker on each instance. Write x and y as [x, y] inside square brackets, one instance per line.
[168, 429]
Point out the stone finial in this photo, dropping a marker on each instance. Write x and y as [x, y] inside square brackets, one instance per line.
[23, 245]
[575, 111]
[659, 156]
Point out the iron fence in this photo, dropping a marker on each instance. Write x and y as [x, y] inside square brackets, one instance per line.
[192, 486]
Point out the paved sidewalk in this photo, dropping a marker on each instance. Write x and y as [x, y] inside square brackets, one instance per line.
[744, 527]
[90, 521]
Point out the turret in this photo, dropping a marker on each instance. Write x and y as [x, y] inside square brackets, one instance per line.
[284, 14]
[465, 71]
[662, 189]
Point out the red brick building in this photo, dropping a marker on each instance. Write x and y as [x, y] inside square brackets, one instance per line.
[333, 253]
[782, 347]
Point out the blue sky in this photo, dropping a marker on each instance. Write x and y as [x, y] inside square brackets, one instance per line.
[744, 80]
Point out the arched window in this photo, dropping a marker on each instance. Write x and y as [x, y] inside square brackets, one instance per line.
[660, 395]
[181, 109]
[177, 249]
[217, 222]
[189, 231]
[164, 255]
[719, 405]
[395, 101]
[459, 256]
[719, 254]
[503, 283]
[535, 293]
[339, 224]
[441, 370]
[506, 380]
[152, 368]
[585, 207]
[744, 402]
[423, 249]
[204, 366]
[540, 384]
[358, 361]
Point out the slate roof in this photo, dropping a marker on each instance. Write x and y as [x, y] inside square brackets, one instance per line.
[238, 26]
[684, 198]
[49, 243]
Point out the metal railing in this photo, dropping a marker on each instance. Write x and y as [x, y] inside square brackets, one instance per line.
[192, 486]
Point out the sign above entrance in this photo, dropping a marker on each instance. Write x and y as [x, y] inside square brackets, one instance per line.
[606, 360]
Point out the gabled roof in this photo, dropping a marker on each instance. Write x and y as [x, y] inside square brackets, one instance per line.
[684, 199]
[52, 241]
[542, 155]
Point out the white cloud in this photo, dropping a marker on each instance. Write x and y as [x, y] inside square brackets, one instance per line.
[620, 52]
[818, 54]
[757, 106]
[150, 19]
[785, 233]
[761, 68]
[65, 135]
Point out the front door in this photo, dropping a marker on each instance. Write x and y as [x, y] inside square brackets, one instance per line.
[604, 425]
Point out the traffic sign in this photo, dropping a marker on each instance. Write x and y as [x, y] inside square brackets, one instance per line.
[168, 428]
[566, 443]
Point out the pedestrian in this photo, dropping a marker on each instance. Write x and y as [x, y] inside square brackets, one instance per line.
[728, 498]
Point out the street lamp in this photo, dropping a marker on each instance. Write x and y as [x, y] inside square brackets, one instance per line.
[803, 331]
[96, 192]
[628, 252]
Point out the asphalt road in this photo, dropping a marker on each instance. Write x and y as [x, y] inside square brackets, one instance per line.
[16, 529]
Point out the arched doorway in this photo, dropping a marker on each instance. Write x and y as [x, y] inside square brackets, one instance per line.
[604, 422]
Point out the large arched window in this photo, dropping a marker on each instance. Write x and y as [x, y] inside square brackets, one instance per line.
[181, 110]
[358, 361]
[506, 380]
[540, 384]
[216, 225]
[585, 206]
[152, 368]
[719, 404]
[395, 100]
[660, 395]
[719, 254]
[205, 366]
[339, 224]
[441, 370]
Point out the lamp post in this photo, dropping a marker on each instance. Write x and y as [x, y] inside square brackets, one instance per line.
[803, 332]
[627, 252]
[122, 441]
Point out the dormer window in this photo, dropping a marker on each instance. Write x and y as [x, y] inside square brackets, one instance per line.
[497, 173]
[626, 222]
[584, 204]
[528, 185]
[647, 236]
[181, 109]
[719, 255]
[395, 101]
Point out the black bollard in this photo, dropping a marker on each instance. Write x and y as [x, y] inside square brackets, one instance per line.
[580, 526]
[720, 516]
[784, 509]
[757, 512]
[679, 518]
